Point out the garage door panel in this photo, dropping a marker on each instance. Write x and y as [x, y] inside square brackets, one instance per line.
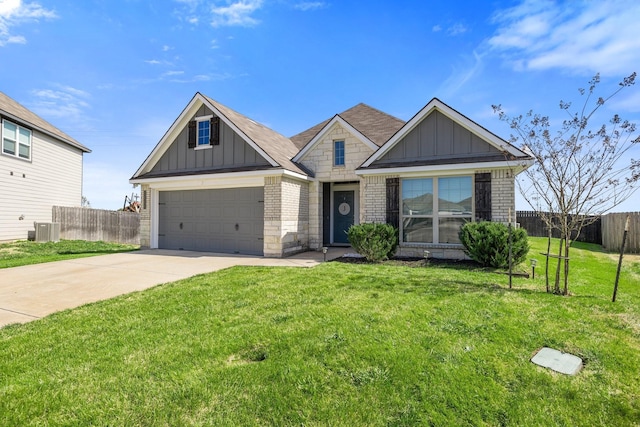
[223, 220]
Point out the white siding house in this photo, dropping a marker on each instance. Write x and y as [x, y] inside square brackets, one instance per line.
[40, 166]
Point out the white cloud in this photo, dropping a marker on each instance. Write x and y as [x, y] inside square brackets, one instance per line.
[456, 29]
[310, 5]
[203, 78]
[583, 37]
[61, 102]
[452, 30]
[13, 13]
[173, 73]
[460, 75]
[222, 13]
[7, 7]
[236, 14]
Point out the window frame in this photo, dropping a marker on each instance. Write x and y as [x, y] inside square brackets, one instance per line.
[435, 214]
[207, 120]
[335, 153]
[18, 143]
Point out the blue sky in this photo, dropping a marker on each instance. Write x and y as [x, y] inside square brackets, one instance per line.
[114, 74]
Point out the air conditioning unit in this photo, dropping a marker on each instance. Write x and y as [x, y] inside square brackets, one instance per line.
[47, 231]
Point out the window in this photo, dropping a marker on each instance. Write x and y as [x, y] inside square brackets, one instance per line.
[204, 132]
[434, 209]
[16, 140]
[338, 153]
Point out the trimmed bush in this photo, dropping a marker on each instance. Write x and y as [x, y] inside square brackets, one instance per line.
[376, 242]
[488, 243]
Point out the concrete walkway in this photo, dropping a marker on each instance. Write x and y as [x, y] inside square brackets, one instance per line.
[34, 291]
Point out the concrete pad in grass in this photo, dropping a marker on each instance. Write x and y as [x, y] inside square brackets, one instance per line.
[558, 361]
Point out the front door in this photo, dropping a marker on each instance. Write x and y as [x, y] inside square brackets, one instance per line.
[343, 214]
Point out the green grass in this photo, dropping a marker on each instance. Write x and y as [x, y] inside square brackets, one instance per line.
[335, 345]
[26, 252]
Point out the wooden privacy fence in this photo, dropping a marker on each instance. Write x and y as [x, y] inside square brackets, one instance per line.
[535, 226]
[97, 225]
[613, 230]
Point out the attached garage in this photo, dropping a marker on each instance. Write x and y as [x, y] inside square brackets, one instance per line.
[229, 220]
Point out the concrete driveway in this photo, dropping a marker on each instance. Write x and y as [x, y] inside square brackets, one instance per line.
[34, 291]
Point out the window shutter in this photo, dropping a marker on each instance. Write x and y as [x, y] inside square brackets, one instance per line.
[214, 138]
[191, 142]
[393, 202]
[483, 196]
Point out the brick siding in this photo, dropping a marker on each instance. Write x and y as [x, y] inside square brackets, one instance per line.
[286, 216]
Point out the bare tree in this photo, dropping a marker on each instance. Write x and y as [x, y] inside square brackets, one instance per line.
[581, 170]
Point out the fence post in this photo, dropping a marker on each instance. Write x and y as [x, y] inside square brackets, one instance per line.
[624, 241]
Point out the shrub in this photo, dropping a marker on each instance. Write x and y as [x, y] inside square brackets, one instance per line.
[488, 243]
[376, 242]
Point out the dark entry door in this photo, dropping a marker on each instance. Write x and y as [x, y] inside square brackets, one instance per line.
[343, 215]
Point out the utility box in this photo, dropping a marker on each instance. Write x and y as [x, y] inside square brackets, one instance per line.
[47, 231]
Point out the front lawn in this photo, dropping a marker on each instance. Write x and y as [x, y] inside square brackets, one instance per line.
[25, 252]
[335, 345]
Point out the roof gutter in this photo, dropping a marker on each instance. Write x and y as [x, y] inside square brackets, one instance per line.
[219, 177]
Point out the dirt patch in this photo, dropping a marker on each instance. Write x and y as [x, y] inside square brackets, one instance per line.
[628, 258]
[9, 251]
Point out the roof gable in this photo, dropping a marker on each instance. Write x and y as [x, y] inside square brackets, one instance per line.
[371, 123]
[496, 143]
[16, 112]
[326, 128]
[275, 148]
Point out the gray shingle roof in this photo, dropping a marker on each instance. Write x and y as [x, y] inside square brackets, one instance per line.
[15, 111]
[277, 146]
[376, 125]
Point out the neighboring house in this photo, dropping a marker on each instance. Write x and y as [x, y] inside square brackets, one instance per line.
[40, 166]
[219, 181]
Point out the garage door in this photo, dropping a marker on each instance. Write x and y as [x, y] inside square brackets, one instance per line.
[226, 220]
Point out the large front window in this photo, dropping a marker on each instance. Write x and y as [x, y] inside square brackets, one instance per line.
[16, 140]
[434, 209]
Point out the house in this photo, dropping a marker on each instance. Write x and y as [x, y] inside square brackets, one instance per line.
[40, 166]
[219, 181]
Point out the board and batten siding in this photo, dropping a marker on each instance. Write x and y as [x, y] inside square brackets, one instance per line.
[29, 189]
[438, 137]
[232, 152]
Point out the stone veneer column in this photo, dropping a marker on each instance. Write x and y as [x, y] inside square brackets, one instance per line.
[272, 217]
[315, 215]
[294, 215]
[286, 216]
[145, 216]
[374, 198]
[502, 195]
